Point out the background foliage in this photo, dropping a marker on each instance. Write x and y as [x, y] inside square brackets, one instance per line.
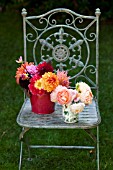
[11, 47]
[80, 6]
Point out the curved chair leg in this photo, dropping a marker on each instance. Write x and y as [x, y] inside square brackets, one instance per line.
[98, 164]
[24, 130]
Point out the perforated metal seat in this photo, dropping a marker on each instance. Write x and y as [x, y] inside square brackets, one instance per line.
[89, 118]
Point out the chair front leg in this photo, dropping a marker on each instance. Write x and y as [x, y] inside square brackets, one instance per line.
[21, 136]
[21, 150]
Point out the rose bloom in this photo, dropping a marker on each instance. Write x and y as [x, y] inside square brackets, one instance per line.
[53, 94]
[75, 95]
[82, 86]
[86, 97]
[62, 95]
[77, 107]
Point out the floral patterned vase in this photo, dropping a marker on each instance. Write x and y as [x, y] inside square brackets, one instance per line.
[41, 104]
[69, 117]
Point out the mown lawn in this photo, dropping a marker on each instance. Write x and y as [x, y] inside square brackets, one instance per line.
[11, 47]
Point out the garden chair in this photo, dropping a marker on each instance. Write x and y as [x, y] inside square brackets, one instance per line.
[71, 42]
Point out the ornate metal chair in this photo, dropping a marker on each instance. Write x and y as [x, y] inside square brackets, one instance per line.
[71, 42]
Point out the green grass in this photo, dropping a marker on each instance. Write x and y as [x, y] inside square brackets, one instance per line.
[11, 47]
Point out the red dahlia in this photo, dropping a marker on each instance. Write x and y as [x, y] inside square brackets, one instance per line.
[44, 67]
[32, 87]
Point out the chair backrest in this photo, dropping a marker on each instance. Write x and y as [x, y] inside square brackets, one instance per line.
[67, 39]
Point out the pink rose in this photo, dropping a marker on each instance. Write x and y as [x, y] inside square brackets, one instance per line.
[74, 95]
[53, 95]
[64, 96]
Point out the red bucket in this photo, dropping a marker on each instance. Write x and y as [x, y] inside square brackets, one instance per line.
[41, 104]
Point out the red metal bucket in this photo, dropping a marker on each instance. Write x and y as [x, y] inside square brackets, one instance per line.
[41, 104]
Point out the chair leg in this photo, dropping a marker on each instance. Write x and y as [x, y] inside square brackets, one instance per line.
[98, 164]
[29, 150]
[21, 149]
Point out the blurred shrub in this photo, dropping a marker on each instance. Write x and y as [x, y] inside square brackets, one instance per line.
[81, 6]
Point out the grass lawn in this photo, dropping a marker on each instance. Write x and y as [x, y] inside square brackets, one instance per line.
[11, 47]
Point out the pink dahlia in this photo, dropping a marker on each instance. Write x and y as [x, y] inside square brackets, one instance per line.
[31, 69]
[63, 78]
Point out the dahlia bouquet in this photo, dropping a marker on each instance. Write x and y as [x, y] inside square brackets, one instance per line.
[41, 79]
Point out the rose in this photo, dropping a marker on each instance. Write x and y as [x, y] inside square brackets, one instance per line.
[86, 97]
[53, 95]
[75, 95]
[77, 107]
[63, 95]
[82, 86]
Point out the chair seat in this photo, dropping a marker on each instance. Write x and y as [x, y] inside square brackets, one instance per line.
[89, 118]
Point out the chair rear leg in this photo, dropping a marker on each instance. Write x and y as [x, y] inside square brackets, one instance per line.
[98, 161]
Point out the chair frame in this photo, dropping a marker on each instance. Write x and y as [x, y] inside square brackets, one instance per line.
[93, 119]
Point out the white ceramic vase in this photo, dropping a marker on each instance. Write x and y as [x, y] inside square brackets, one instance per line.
[69, 117]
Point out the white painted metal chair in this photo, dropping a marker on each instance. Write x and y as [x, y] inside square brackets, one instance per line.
[71, 42]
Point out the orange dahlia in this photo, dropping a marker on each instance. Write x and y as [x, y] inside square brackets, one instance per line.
[49, 81]
[22, 72]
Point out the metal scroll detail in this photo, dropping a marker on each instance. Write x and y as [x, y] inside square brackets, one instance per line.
[62, 48]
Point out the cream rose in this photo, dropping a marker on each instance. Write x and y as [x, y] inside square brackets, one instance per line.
[82, 86]
[77, 107]
[86, 97]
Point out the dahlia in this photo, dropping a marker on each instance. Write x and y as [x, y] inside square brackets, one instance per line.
[31, 69]
[63, 78]
[49, 81]
[22, 72]
[44, 67]
[34, 86]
